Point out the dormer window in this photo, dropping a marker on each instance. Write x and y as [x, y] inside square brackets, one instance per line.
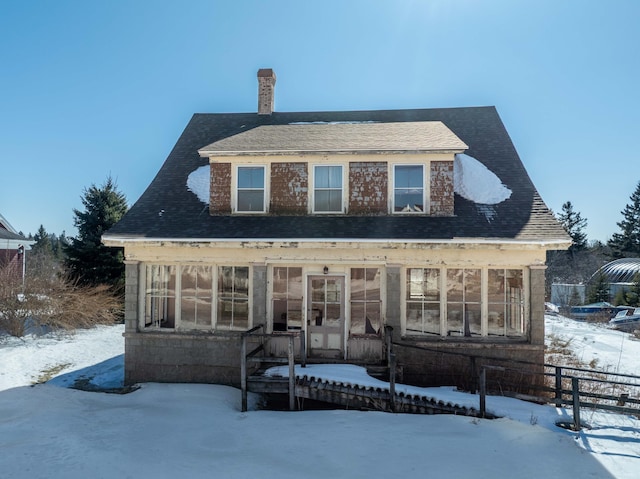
[408, 189]
[251, 191]
[327, 189]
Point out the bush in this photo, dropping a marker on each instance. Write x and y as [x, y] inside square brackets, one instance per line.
[54, 302]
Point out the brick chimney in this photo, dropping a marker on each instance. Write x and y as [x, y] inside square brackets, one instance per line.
[266, 90]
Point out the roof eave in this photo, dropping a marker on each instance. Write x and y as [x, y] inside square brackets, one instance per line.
[121, 240]
[212, 154]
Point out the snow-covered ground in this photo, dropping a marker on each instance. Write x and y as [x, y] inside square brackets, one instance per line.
[195, 430]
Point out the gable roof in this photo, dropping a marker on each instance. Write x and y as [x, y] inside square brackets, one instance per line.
[9, 237]
[168, 210]
[338, 137]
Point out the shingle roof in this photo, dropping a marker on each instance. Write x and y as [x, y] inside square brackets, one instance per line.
[339, 137]
[167, 209]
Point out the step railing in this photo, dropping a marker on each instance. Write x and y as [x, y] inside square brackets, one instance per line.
[252, 356]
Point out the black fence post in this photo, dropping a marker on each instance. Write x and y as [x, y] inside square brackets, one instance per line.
[558, 386]
[243, 372]
[483, 392]
[473, 376]
[392, 382]
[575, 388]
[292, 375]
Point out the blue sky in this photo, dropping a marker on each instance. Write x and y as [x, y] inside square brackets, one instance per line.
[92, 89]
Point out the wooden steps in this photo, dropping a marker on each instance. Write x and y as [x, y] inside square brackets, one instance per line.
[355, 397]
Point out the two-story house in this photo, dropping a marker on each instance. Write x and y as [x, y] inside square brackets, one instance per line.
[333, 225]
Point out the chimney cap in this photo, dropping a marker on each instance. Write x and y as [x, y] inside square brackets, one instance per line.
[266, 72]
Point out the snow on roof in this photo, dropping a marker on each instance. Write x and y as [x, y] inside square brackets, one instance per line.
[475, 182]
[198, 183]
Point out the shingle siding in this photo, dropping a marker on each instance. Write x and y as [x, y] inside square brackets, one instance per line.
[289, 188]
[368, 183]
[220, 191]
[441, 188]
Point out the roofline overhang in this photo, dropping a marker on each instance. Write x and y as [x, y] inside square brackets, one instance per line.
[120, 241]
[15, 243]
[212, 154]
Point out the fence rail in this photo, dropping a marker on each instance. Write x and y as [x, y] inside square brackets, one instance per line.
[554, 384]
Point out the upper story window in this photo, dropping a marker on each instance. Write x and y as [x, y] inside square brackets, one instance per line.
[408, 189]
[327, 189]
[251, 191]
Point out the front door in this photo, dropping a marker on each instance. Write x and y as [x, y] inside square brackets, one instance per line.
[325, 316]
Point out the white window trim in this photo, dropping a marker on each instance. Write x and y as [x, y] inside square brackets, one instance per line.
[312, 190]
[216, 298]
[178, 297]
[392, 189]
[265, 192]
[484, 275]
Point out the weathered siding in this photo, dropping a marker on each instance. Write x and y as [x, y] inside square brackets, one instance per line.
[182, 358]
[368, 184]
[289, 188]
[450, 364]
[441, 188]
[220, 191]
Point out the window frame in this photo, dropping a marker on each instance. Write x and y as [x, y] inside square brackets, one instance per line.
[237, 189]
[393, 189]
[521, 318]
[288, 297]
[147, 295]
[368, 300]
[219, 298]
[315, 189]
[424, 301]
[151, 295]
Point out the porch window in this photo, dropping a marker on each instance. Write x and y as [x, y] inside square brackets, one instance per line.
[408, 188]
[196, 297]
[251, 191]
[464, 298]
[233, 298]
[423, 301]
[365, 301]
[506, 302]
[327, 189]
[160, 296]
[287, 298]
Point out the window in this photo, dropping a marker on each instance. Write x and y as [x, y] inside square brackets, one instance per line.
[365, 301]
[196, 297]
[251, 191]
[327, 189]
[423, 301]
[506, 302]
[287, 299]
[160, 296]
[464, 302]
[448, 302]
[233, 297]
[408, 189]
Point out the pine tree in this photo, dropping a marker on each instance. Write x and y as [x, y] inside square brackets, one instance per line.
[598, 288]
[574, 224]
[87, 259]
[627, 242]
[632, 296]
[43, 242]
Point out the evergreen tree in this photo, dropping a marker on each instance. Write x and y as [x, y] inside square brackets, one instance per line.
[627, 242]
[574, 224]
[87, 259]
[632, 297]
[598, 290]
[43, 242]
